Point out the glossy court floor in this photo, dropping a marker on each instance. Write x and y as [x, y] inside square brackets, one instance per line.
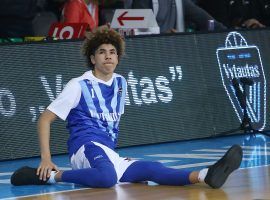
[252, 181]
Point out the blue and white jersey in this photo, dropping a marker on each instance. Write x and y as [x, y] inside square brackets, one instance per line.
[92, 108]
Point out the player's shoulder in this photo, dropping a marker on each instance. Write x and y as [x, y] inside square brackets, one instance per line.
[75, 82]
[85, 76]
[119, 76]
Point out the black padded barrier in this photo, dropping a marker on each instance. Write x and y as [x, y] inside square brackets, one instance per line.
[178, 87]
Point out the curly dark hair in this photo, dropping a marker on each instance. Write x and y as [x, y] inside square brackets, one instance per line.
[102, 35]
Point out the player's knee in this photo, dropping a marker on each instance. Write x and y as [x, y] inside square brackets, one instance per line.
[108, 181]
[107, 174]
[152, 166]
[109, 178]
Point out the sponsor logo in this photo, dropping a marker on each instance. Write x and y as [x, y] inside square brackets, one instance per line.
[120, 90]
[97, 157]
[239, 61]
[109, 117]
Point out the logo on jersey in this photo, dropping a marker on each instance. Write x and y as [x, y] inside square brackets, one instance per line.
[92, 93]
[109, 117]
[97, 157]
[239, 61]
[120, 90]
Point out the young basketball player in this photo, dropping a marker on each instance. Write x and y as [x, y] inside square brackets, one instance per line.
[92, 104]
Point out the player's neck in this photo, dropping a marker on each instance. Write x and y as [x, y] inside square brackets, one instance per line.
[101, 76]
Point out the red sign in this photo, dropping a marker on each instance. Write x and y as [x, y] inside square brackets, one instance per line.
[68, 30]
[123, 17]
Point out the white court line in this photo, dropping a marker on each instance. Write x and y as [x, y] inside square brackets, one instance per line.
[223, 151]
[188, 155]
[193, 165]
[5, 181]
[212, 150]
[168, 161]
[6, 173]
[257, 147]
[245, 152]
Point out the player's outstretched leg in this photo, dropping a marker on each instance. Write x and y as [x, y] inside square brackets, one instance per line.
[26, 176]
[219, 172]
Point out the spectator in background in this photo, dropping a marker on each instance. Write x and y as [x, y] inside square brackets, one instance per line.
[56, 7]
[239, 13]
[194, 17]
[25, 18]
[107, 8]
[81, 11]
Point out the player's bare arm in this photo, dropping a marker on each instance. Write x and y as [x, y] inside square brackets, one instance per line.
[44, 125]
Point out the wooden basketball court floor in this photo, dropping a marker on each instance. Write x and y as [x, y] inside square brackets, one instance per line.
[251, 181]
